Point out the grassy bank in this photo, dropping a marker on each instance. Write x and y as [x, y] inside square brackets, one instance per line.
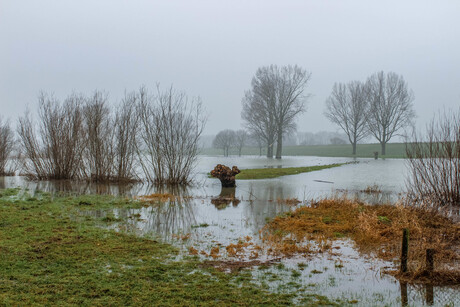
[54, 254]
[266, 173]
[393, 150]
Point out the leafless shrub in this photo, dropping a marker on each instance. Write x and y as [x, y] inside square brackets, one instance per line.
[6, 147]
[170, 128]
[125, 138]
[99, 138]
[434, 163]
[57, 153]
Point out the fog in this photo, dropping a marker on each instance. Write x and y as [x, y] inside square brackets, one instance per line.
[212, 49]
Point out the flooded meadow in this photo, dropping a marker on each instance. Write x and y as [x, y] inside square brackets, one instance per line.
[223, 226]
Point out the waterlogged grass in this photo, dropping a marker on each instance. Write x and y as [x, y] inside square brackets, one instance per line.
[52, 254]
[266, 173]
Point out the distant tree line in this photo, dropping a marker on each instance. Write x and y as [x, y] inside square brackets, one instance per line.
[232, 142]
[151, 136]
[227, 139]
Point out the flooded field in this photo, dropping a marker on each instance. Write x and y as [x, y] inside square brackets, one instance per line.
[224, 224]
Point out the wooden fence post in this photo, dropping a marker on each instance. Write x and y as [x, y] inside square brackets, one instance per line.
[404, 297]
[429, 260]
[404, 250]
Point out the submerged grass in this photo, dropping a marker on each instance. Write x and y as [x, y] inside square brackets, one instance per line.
[375, 229]
[52, 254]
[266, 173]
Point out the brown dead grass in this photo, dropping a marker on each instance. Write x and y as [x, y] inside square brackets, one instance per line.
[375, 229]
[234, 266]
[288, 201]
[157, 197]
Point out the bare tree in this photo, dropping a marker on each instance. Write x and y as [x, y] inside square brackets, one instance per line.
[57, 154]
[224, 140]
[259, 118]
[6, 146]
[171, 125]
[290, 100]
[347, 107]
[257, 140]
[241, 139]
[390, 106]
[434, 163]
[273, 103]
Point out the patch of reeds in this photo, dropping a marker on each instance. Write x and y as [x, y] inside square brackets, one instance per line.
[372, 189]
[289, 201]
[375, 229]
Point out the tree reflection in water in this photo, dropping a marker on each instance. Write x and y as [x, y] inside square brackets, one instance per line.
[264, 203]
[226, 197]
[165, 218]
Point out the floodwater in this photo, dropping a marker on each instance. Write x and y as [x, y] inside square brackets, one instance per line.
[204, 221]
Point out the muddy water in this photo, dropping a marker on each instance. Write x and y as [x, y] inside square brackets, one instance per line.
[204, 221]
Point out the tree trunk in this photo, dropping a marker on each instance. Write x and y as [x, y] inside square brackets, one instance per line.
[354, 148]
[270, 151]
[383, 148]
[279, 145]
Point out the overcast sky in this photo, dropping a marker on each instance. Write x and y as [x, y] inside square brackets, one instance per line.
[212, 49]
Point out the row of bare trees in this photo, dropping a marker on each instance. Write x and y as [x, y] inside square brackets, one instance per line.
[227, 139]
[273, 103]
[147, 136]
[382, 106]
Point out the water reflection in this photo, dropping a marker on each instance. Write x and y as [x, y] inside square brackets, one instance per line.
[412, 295]
[270, 190]
[164, 220]
[225, 198]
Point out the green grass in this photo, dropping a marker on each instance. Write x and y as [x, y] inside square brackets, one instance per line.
[53, 254]
[266, 173]
[393, 150]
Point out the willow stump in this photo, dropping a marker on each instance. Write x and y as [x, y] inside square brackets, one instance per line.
[226, 175]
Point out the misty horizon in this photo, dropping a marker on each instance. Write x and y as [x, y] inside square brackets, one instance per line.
[212, 50]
